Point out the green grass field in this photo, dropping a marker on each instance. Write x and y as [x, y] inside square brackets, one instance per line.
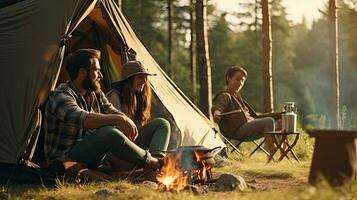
[284, 180]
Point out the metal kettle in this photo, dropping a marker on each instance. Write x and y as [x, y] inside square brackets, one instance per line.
[288, 118]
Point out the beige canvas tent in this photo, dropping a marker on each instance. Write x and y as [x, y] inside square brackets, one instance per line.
[35, 35]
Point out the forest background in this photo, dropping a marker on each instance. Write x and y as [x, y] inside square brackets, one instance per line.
[299, 61]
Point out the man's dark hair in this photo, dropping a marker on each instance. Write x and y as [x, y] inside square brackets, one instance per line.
[80, 59]
[232, 70]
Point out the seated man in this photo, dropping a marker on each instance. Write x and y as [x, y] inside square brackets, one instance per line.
[234, 115]
[82, 125]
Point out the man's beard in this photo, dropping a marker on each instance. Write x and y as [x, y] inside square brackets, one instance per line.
[90, 85]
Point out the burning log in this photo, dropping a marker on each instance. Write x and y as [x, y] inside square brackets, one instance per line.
[170, 175]
[186, 166]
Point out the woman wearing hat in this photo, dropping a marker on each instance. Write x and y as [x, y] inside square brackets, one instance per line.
[132, 96]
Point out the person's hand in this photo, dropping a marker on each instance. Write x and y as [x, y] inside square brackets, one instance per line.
[128, 127]
[217, 116]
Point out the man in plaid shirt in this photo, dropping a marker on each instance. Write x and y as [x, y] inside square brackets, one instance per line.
[82, 125]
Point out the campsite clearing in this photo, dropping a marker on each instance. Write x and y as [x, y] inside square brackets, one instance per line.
[283, 180]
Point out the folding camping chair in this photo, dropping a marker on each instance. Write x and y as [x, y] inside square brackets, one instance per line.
[235, 147]
[252, 139]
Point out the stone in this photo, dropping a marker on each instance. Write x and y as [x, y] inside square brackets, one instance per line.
[150, 184]
[103, 192]
[221, 162]
[311, 190]
[197, 189]
[252, 181]
[230, 182]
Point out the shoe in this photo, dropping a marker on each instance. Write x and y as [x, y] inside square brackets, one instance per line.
[161, 159]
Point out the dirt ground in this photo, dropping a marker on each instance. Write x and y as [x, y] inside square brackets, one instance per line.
[262, 182]
[272, 176]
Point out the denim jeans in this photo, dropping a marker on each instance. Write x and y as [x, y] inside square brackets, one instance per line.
[255, 128]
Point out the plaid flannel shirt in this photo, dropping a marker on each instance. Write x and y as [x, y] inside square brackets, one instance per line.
[65, 113]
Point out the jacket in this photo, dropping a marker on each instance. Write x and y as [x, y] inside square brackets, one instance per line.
[230, 123]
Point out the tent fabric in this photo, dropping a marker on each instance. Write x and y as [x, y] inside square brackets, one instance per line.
[195, 128]
[33, 36]
[29, 60]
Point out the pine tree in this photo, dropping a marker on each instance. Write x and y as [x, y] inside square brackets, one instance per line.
[203, 58]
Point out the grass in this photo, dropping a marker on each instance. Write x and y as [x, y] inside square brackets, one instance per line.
[284, 180]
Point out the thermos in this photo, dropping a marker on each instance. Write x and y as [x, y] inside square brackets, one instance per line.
[288, 118]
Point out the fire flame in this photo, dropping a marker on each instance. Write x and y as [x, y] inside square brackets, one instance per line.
[205, 167]
[171, 176]
[174, 178]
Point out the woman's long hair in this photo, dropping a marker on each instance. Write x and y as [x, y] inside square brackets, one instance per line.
[135, 105]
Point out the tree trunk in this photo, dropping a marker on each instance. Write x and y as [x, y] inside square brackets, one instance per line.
[267, 59]
[203, 58]
[333, 65]
[119, 3]
[193, 53]
[256, 16]
[170, 54]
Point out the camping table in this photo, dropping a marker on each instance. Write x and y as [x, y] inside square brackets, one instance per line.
[280, 140]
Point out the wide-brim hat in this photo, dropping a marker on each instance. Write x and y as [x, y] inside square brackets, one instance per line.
[132, 68]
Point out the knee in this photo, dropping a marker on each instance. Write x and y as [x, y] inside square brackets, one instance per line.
[270, 123]
[112, 135]
[271, 120]
[163, 124]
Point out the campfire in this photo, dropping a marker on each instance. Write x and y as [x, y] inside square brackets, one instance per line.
[186, 166]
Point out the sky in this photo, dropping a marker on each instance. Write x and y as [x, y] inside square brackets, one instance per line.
[308, 8]
[296, 9]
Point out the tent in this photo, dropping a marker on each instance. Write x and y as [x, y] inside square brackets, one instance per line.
[35, 36]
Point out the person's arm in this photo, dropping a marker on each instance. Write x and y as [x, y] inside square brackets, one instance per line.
[67, 110]
[114, 99]
[221, 104]
[107, 104]
[217, 116]
[122, 122]
[275, 115]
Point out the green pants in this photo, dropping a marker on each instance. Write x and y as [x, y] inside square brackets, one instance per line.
[153, 137]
